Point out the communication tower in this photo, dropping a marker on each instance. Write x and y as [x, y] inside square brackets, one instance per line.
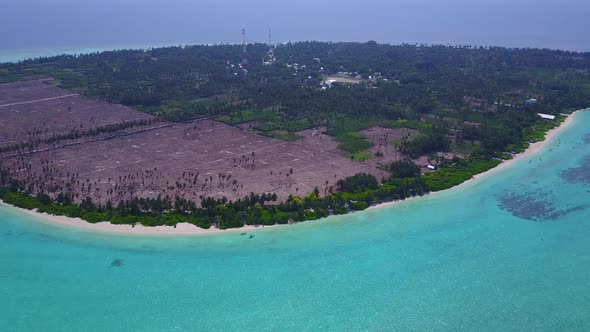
[244, 51]
[271, 50]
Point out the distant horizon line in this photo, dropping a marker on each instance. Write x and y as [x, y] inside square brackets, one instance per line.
[25, 54]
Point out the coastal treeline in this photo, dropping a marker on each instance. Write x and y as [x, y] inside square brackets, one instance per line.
[354, 193]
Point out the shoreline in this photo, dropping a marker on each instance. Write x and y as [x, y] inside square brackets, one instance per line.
[532, 149]
[190, 229]
[26, 54]
[127, 229]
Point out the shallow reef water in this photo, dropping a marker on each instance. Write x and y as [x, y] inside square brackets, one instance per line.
[579, 174]
[536, 206]
[508, 252]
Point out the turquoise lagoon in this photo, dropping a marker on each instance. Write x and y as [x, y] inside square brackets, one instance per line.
[10, 55]
[508, 252]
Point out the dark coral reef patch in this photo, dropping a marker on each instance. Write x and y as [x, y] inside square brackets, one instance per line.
[535, 206]
[117, 262]
[580, 174]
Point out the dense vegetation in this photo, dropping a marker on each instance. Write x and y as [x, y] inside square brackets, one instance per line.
[467, 101]
[477, 92]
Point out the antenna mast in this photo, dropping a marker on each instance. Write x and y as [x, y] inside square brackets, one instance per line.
[271, 50]
[244, 51]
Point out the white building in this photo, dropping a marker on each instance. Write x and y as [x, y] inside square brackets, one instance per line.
[546, 116]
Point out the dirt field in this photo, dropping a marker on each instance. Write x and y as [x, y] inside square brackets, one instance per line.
[192, 160]
[383, 138]
[19, 92]
[36, 111]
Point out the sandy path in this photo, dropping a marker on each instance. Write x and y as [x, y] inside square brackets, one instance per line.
[38, 100]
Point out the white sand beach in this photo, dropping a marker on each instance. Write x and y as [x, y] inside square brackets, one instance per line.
[531, 150]
[190, 229]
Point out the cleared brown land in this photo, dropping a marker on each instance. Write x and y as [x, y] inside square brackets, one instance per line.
[382, 139]
[204, 158]
[192, 160]
[34, 111]
[27, 91]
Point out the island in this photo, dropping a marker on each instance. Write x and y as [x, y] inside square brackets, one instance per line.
[298, 131]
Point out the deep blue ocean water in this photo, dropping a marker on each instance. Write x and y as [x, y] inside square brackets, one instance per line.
[508, 252]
